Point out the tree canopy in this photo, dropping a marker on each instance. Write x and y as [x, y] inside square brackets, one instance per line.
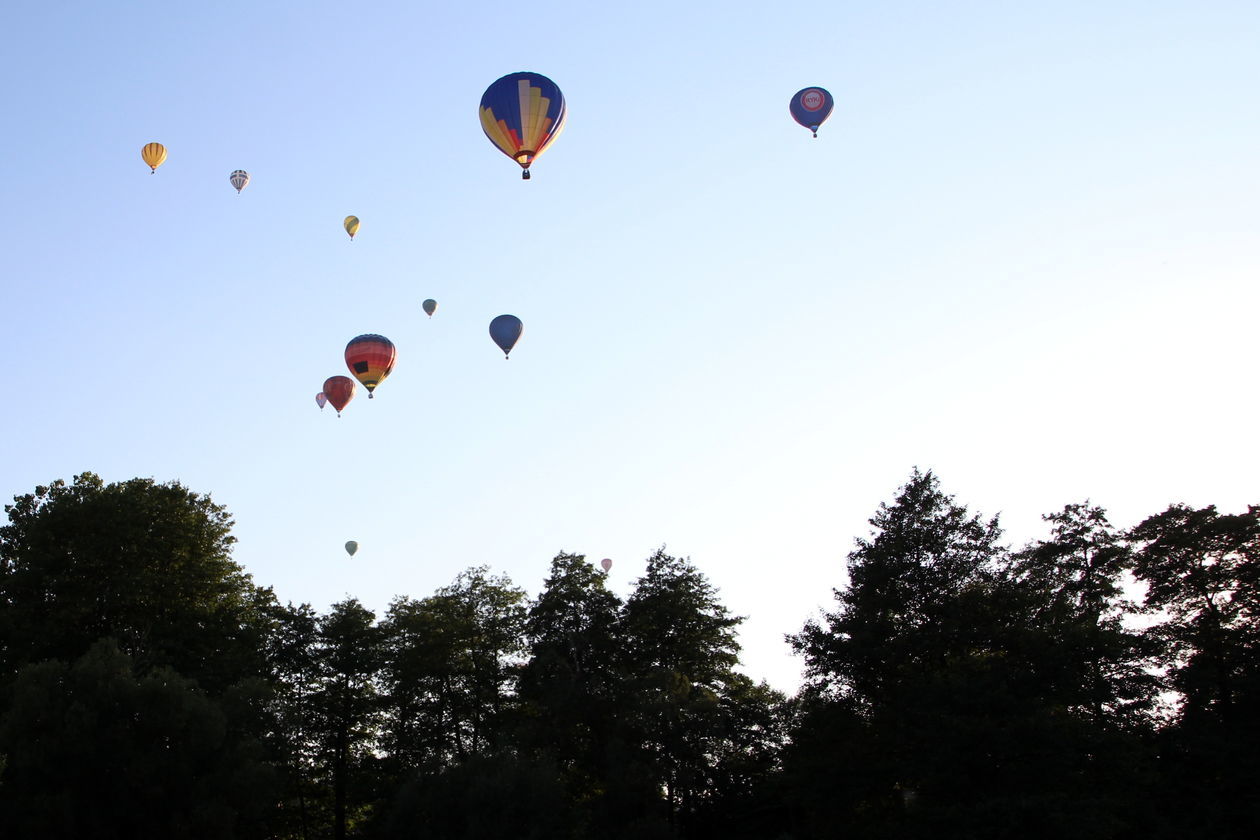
[1096, 683]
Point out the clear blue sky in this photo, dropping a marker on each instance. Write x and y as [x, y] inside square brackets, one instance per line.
[1023, 252]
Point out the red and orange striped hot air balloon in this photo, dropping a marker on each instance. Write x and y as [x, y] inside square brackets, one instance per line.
[370, 358]
[339, 390]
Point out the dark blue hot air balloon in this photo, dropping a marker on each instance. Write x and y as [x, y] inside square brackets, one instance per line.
[810, 107]
[506, 330]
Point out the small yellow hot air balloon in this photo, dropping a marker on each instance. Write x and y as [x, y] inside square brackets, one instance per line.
[154, 154]
[352, 226]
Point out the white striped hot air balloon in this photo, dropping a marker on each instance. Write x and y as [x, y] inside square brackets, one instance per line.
[239, 179]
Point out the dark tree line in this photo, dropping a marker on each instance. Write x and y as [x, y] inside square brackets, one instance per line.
[957, 689]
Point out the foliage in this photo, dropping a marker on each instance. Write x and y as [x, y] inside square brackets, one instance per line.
[697, 723]
[570, 687]
[486, 797]
[958, 689]
[1201, 568]
[144, 563]
[980, 694]
[96, 750]
[1073, 585]
[346, 705]
[450, 668]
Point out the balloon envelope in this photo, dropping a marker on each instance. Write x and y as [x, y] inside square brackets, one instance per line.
[606, 563]
[506, 331]
[239, 179]
[351, 225]
[320, 399]
[352, 547]
[339, 390]
[810, 107]
[522, 114]
[430, 306]
[370, 358]
[153, 154]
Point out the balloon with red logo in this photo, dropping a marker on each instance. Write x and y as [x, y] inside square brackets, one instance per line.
[339, 390]
[370, 358]
[810, 107]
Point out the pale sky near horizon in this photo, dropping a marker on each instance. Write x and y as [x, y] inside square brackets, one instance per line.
[1022, 253]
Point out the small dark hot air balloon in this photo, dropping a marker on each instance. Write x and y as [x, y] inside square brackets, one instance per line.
[239, 179]
[810, 107]
[506, 331]
[352, 547]
[429, 306]
[522, 114]
[320, 399]
[339, 390]
[370, 358]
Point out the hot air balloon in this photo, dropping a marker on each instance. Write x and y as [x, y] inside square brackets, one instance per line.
[339, 390]
[352, 226]
[320, 399]
[810, 107]
[429, 306]
[370, 358]
[506, 331]
[153, 154]
[522, 114]
[239, 179]
[607, 564]
[352, 547]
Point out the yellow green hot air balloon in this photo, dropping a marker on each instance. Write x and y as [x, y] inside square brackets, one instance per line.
[154, 154]
[352, 226]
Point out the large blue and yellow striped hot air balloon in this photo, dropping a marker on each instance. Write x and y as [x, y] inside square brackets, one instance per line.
[522, 114]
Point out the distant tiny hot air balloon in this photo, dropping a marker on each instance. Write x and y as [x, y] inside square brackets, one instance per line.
[810, 107]
[239, 179]
[320, 399]
[351, 225]
[607, 564]
[153, 154]
[429, 306]
[339, 390]
[352, 547]
[506, 330]
[522, 114]
[370, 358]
